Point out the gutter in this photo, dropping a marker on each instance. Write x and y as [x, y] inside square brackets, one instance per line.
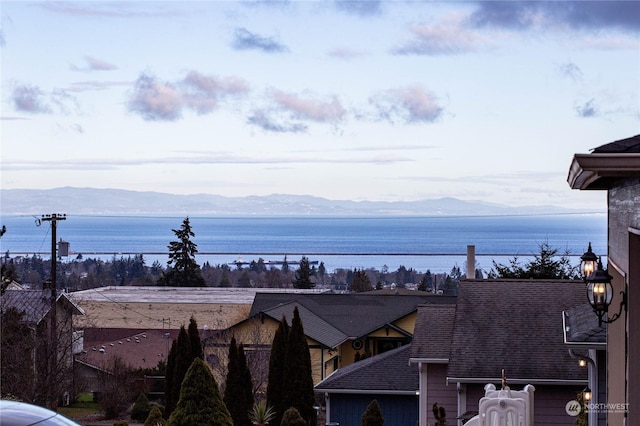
[367, 391]
[428, 360]
[563, 382]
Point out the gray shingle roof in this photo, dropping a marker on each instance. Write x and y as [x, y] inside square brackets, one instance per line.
[432, 335]
[35, 303]
[314, 326]
[581, 327]
[354, 315]
[514, 325]
[628, 145]
[373, 374]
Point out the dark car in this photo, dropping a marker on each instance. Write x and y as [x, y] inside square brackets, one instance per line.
[14, 413]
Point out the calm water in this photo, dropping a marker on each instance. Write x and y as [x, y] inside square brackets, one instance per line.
[435, 243]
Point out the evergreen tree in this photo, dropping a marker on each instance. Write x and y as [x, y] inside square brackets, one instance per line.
[245, 378]
[361, 282]
[182, 359]
[184, 271]
[298, 381]
[225, 281]
[200, 401]
[234, 395]
[194, 339]
[141, 408]
[303, 275]
[169, 400]
[292, 417]
[372, 415]
[543, 266]
[275, 383]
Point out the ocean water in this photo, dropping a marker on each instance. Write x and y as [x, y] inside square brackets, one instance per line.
[422, 243]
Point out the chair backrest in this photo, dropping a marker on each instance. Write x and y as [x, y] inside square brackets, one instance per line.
[526, 394]
[503, 412]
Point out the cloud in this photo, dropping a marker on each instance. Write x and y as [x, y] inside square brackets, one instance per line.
[263, 119]
[88, 85]
[246, 40]
[30, 99]
[310, 109]
[345, 53]
[156, 101]
[449, 37]
[362, 8]
[164, 101]
[588, 109]
[412, 104]
[112, 9]
[94, 64]
[572, 71]
[202, 92]
[522, 15]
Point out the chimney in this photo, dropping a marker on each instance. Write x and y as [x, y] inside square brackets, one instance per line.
[471, 262]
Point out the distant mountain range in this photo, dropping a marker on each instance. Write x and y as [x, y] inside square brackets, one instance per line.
[93, 201]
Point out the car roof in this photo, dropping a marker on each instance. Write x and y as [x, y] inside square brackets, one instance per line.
[15, 413]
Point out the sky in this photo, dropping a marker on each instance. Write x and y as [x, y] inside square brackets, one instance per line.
[371, 100]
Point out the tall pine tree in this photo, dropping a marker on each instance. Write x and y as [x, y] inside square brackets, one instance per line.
[169, 400]
[184, 271]
[303, 275]
[234, 394]
[181, 361]
[245, 379]
[194, 339]
[275, 396]
[298, 381]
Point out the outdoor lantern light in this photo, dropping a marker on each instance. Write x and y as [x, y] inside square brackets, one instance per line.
[588, 264]
[600, 293]
[582, 362]
[586, 394]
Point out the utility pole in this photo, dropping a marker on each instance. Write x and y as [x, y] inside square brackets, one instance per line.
[53, 338]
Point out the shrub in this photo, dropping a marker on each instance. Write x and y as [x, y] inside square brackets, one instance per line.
[373, 415]
[141, 408]
[121, 423]
[292, 417]
[200, 401]
[155, 417]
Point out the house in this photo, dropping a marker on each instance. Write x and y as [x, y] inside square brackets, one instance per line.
[387, 378]
[37, 375]
[615, 168]
[430, 350]
[138, 349]
[340, 328]
[495, 326]
[514, 326]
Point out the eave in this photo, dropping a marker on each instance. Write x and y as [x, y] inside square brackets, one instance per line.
[596, 171]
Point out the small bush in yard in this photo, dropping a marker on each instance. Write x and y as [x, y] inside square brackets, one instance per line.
[292, 417]
[141, 408]
[155, 417]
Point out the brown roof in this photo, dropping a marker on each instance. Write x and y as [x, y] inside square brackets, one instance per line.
[138, 349]
[515, 325]
[433, 331]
